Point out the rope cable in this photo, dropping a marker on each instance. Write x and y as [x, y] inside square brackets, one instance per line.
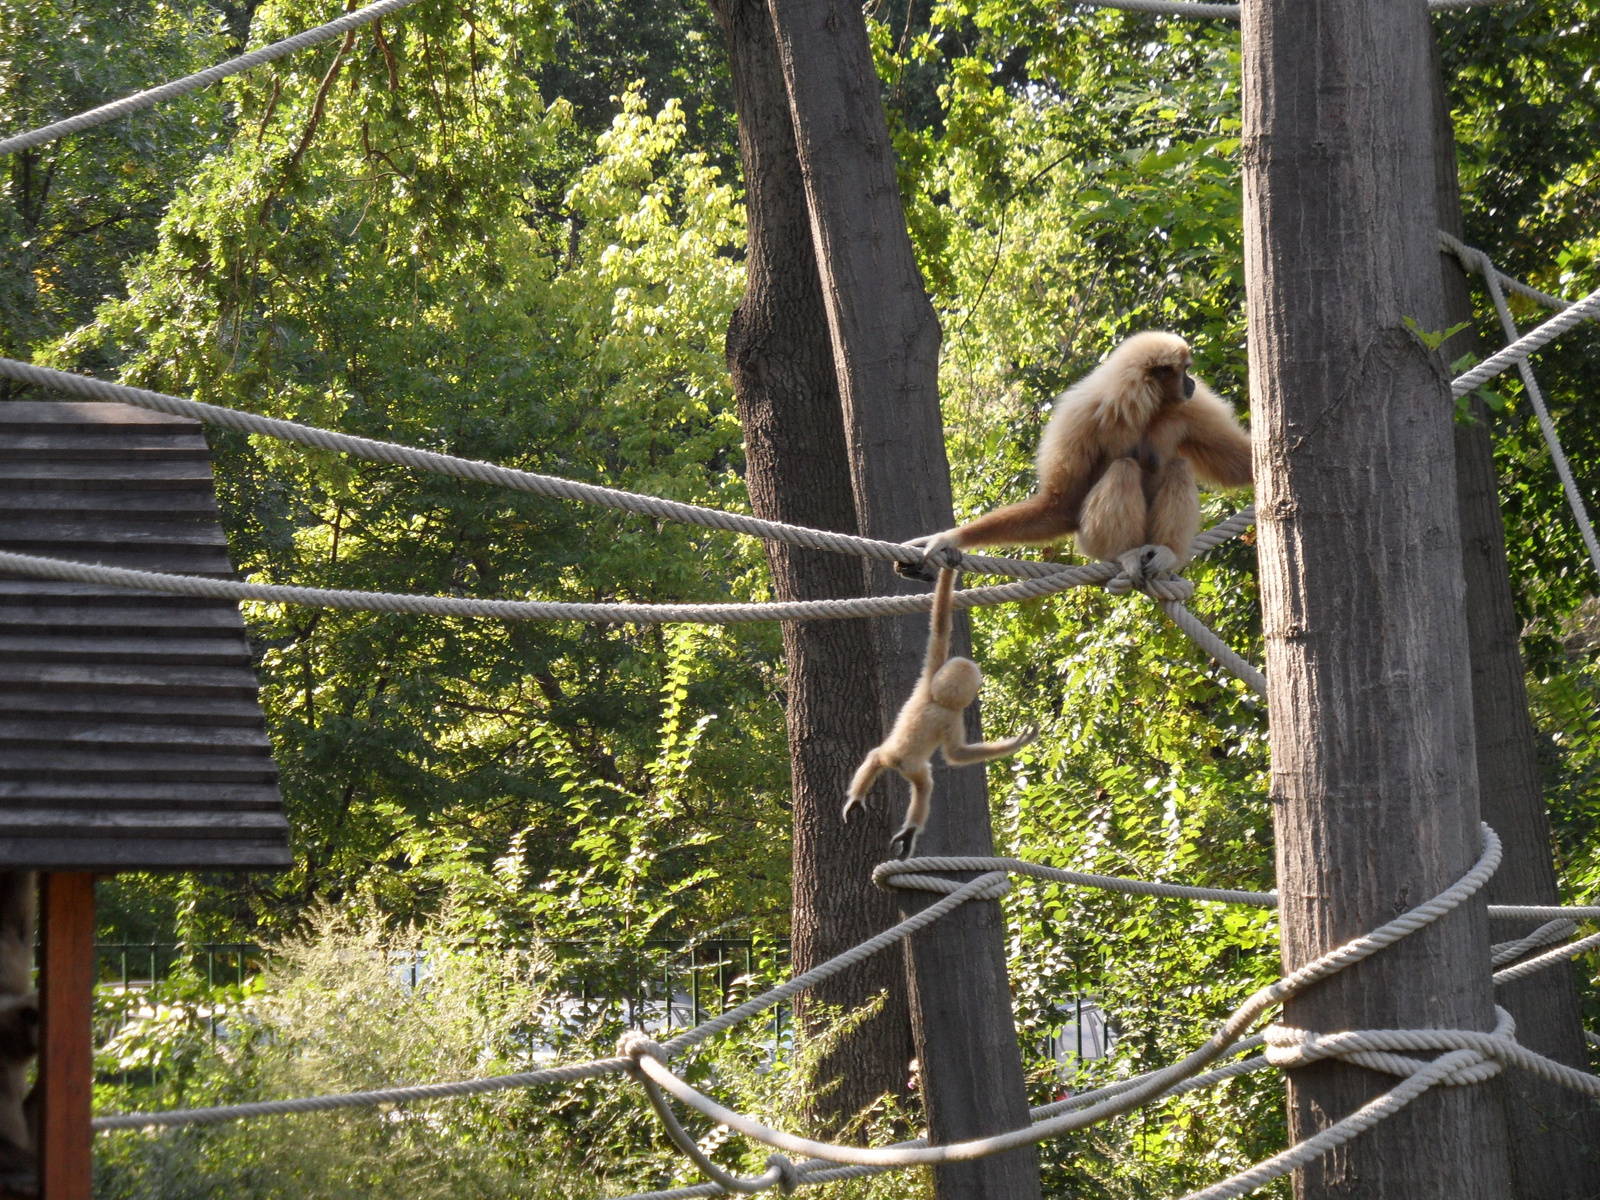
[1547, 426]
[200, 79]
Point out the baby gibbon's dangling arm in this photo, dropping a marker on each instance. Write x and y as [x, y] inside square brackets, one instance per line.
[930, 720]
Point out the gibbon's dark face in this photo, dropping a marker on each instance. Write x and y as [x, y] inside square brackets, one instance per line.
[1175, 383]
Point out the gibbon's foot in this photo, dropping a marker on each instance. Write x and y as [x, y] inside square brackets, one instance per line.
[927, 571]
[904, 844]
[1147, 562]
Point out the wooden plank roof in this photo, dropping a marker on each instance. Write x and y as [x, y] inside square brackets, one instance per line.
[131, 736]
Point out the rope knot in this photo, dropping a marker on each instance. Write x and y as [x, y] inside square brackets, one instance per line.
[788, 1174]
[1476, 1056]
[910, 874]
[636, 1043]
[1164, 586]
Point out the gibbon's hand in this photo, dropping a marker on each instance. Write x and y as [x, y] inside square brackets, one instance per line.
[1147, 562]
[930, 544]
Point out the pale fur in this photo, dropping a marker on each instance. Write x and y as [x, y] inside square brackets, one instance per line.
[1133, 425]
[930, 720]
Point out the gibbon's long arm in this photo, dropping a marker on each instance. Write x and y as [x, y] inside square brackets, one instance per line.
[959, 754]
[939, 621]
[1215, 443]
[1039, 520]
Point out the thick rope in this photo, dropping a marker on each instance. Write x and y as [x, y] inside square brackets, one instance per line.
[1471, 1056]
[523, 481]
[1549, 959]
[1157, 1082]
[914, 873]
[1543, 912]
[1525, 345]
[1202, 635]
[540, 610]
[820, 1170]
[1546, 425]
[396, 1095]
[1230, 12]
[201, 79]
[1471, 257]
[1551, 931]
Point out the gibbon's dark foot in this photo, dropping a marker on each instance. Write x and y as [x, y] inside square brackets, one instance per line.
[1147, 562]
[904, 844]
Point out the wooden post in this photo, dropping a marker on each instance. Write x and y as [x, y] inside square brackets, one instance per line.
[1553, 1131]
[798, 470]
[885, 338]
[66, 1048]
[1374, 779]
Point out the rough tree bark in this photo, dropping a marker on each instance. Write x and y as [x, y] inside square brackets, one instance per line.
[885, 341]
[1373, 763]
[798, 470]
[1555, 1134]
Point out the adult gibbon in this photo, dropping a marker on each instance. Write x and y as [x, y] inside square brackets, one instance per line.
[1118, 462]
[930, 720]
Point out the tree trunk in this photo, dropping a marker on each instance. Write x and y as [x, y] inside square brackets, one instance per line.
[1555, 1134]
[798, 470]
[1373, 764]
[885, 340]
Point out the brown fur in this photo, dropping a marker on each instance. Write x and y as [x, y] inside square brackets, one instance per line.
[930, 720]
[1118, 463]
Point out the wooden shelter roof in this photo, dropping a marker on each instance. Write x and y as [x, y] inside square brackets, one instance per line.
[131, 735]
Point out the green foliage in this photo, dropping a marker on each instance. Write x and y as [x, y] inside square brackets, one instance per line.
[372, 264]
[493, 230]
[354, 1004]
[73, 212]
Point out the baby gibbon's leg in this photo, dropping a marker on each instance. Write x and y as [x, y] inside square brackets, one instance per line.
[904, 843]
[960, 753]
[1114, 513]
[866, 775]
[1175, 511]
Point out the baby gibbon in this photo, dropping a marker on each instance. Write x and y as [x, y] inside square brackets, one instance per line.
[1118, 462]
[930, 720]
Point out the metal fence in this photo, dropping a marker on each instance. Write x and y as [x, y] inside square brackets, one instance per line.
[660, 987]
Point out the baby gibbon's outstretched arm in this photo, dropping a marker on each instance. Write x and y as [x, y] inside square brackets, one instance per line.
[930, 720]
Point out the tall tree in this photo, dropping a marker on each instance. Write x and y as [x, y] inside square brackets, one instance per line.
[798, 470]
[885, 340]
[1374, 778]
[1555, 1135]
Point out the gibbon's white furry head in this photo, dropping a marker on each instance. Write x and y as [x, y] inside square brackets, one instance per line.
[1135, 380]
[956, 684]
